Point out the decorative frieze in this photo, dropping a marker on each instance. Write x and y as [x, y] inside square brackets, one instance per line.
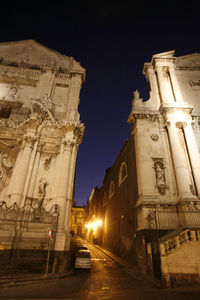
[20, 72]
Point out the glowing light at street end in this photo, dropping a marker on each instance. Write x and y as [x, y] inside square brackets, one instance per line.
[94, 225]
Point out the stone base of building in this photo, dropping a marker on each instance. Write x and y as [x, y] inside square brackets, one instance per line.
[146, 251]
[61, 261]
[33, 261]
[177, 280]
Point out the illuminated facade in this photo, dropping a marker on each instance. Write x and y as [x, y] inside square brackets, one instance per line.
[151, 195]
[77, 221]
[40, 131]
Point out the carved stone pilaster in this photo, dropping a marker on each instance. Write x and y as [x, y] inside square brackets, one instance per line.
[67, 145]
[28, 141]
[41, 146]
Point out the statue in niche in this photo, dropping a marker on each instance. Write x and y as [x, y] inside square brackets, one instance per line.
[5, 170]
[47, 161]
[160, 177]
[41, 192]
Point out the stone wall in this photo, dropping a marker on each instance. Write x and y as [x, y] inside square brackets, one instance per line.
[180, 258]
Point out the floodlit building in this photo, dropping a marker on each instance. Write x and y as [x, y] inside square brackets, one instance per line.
[150, 198]
[77, 221]
[40, 131]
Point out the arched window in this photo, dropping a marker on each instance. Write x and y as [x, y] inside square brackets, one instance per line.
[111, 189]
[122, 173]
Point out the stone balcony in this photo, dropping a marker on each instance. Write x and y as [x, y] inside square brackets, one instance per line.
[163, 219]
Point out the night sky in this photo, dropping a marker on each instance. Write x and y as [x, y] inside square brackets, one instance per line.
[112, 40]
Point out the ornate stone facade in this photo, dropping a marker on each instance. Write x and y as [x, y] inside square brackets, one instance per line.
[161, 192]
[40, 131]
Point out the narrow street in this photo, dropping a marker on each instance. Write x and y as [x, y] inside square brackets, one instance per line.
[105, 280]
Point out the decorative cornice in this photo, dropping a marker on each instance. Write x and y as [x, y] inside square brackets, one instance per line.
[186, 68]
[20, 72]
[150, 115]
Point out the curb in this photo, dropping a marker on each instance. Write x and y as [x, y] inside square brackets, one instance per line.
[12, 282]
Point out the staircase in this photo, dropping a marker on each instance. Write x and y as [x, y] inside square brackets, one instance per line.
[180, 258]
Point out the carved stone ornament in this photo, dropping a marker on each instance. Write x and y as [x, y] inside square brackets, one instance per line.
[136, 99]
[151, 116]
[5, 170]
[38, 204]
[160, 177]
[12, 94]
[28, 141]
[68, 145]
[195, 85]
[42, 106]
[74, 115]
[47, 161]
[151, 219]
[154, 137]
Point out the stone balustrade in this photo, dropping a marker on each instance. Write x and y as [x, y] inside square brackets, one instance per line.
[171, 243]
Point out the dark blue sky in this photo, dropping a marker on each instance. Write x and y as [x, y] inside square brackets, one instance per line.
[112, 40]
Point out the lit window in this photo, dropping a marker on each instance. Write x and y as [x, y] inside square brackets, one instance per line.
[122, 173]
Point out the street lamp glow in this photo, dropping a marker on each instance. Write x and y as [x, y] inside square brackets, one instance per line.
[94, 225]
[99, 222]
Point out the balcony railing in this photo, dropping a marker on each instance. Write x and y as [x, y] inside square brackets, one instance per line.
[159, 219]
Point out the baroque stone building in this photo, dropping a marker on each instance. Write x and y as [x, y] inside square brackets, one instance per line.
[40, 131]
[150, 198]
[77, 221]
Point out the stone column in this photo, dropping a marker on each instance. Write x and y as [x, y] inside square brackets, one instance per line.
[62, 236]
[154, 85]
[162, 84]
[193, 153]
[71, 184]
[181, 170]
[35, 171]
[62, 187]
[75, 87]
[17, 181]
[175, 85]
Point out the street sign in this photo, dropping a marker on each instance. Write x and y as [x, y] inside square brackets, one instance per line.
[51, 233]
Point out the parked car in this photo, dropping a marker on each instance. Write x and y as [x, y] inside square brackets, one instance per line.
[83, 259]
[80, 247]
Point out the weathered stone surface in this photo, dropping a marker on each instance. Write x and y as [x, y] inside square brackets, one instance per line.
[40, 131]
